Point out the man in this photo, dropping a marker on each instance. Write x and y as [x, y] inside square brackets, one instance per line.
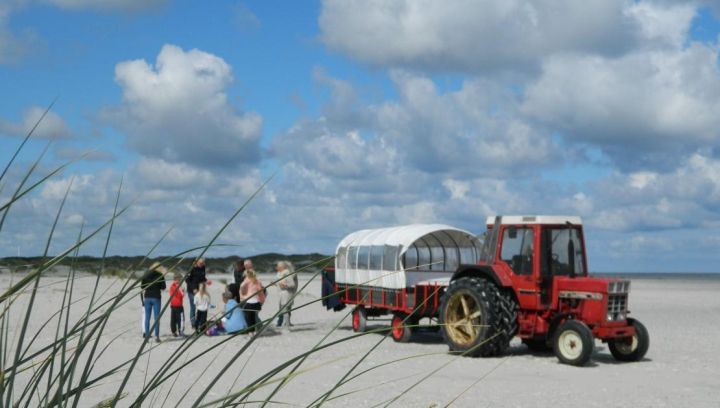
[193, 280]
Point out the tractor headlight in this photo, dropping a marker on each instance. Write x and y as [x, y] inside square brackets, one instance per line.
[610, 317]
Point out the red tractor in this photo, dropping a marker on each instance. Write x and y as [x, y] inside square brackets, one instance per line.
[532, 281]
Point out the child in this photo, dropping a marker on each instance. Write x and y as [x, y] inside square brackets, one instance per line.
[202, 303]
[176, 305]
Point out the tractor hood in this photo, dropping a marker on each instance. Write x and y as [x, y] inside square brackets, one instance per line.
[592, 285]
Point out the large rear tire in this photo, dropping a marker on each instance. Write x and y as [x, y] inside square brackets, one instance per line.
[573, 343]
[476, 318]
[359, 319]
[633, 348]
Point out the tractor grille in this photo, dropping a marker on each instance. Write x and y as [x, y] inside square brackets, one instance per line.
[617, 307]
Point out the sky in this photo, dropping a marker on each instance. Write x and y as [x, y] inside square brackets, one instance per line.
[368, 114]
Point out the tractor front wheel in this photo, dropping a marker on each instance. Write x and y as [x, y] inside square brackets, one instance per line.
[399, 328]
[359, 319]
[573, 343]
[631, 348]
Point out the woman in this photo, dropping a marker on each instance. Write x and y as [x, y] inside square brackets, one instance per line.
[252, 296]
[233, 320]
[287, 283]
[152, 285]
[195, 277]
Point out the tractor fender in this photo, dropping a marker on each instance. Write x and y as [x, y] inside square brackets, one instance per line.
[484, 271]
[555, 322]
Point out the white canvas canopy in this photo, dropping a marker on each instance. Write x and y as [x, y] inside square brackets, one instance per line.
[400, 257]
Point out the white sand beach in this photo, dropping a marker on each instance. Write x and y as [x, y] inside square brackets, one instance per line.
[682, 367]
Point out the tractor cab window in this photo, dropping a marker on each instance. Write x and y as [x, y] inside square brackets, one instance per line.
[517, 249]
[562, 252]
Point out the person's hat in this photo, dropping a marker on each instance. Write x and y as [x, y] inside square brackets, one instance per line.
[156, 266]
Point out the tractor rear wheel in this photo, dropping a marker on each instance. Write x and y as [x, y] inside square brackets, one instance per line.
[633, 348]
[573, 343]
[476, 318]
[400, 331]
[359, 319]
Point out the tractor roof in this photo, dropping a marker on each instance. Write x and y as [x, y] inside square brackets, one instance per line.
[537, 219]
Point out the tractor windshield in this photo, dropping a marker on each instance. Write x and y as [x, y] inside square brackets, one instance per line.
[562, 252]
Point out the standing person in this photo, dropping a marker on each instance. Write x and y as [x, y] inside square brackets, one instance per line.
[152, 285]
[286, 281]
[195, 277]
[177, 313]
[202, 304]
[239, 271]
[253, 296]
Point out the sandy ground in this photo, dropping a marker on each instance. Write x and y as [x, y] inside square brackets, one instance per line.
[682, 367]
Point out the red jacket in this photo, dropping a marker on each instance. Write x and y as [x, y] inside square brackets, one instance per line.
[176, 295]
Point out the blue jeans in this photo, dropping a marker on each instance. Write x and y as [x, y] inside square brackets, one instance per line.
[152, 305]
[191, 297]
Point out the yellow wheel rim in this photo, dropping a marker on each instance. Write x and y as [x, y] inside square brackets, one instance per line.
[462, 318]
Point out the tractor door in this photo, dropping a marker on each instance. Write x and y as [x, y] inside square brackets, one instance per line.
[561, 254]
[517, 252]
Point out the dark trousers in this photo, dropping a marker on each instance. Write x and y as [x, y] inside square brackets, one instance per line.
[176, 318]
[251, 312]
[200, 321]
[191, 298]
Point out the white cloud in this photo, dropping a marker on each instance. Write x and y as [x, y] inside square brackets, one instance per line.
[52, 126]
[458, 189]
[686, 197]
[158, 173]
[644, 107]
[470, 35]
[476, 129]
[664, 24]
[177, 109]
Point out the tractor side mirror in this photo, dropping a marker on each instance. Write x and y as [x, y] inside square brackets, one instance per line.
[512, 232]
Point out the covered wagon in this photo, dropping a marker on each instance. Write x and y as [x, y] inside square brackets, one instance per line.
[400, 271]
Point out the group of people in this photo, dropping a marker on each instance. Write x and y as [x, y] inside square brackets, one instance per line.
[243, 299]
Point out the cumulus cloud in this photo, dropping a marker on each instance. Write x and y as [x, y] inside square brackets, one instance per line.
[158, 173]
[648, 105]
[686, 197]
[466, 35]
[51, 127]
[177, 109]
[474, 130]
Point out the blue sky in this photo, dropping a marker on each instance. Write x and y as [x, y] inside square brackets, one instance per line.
[372, 114]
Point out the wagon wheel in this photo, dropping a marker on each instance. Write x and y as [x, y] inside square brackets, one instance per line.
[359, 319]
[400, 329]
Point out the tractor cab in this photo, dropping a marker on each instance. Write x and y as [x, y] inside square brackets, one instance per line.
[534, 252]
